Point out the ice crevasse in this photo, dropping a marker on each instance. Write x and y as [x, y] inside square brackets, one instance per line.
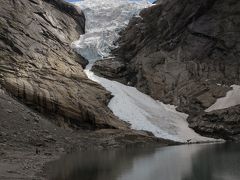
[104, 20]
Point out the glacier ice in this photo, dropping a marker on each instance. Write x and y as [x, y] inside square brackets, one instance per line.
[104, 19]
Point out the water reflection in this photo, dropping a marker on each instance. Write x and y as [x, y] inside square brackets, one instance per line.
[188, 162]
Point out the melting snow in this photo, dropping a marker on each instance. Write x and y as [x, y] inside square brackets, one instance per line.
[145, 113]
[231, 99]
[104, 20]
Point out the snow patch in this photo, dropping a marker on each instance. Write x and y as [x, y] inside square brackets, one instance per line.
[145, 113]
[232, 98]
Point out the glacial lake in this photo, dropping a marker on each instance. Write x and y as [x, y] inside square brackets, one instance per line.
[184, 162]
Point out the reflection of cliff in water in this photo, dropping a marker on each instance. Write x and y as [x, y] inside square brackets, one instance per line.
[216, 162]
[188, 162]
[95, 165]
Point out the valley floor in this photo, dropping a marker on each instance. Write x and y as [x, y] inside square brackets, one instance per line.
[29, 140]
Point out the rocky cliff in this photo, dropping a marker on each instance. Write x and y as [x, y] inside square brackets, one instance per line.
[224, 123]
[38, 66]
[182, 52]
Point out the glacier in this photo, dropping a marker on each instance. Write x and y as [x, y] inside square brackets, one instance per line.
[104, 20]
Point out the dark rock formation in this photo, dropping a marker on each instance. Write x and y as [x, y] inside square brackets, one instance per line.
[223, 123]
[38, 66]
[177, 51]
[111, 69]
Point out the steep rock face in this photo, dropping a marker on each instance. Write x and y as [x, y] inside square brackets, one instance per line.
[223, 123]
[111, 68]
[38, 66]
[181, 52]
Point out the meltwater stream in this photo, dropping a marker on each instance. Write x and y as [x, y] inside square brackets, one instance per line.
[104, 20]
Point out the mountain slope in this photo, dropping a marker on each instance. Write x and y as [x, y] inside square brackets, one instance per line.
[38, 66]
[184, 53]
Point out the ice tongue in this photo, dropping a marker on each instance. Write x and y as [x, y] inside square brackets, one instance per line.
[104, 20]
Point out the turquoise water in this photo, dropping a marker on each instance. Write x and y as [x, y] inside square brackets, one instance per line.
[186, 162]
